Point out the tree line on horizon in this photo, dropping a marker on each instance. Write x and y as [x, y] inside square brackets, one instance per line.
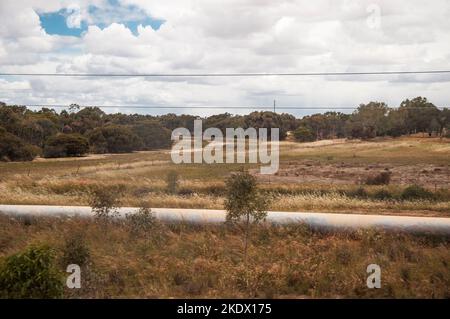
[25, 134]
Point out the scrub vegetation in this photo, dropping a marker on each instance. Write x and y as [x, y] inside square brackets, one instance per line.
[119, 260]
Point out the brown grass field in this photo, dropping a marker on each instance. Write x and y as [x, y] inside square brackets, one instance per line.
[188, 261]
[320, 176]
[206, 261]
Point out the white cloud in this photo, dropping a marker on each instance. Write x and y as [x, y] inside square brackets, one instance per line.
[211, 36]
[75, 17]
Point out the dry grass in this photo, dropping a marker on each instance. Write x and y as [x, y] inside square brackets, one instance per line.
[192, 261]
[405, 150]
[209, 196]
[324, 186]
[189, 261]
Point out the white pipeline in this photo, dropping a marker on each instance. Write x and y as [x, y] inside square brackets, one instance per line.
[316, 220]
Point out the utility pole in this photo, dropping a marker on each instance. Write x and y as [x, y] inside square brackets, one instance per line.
[274, 106]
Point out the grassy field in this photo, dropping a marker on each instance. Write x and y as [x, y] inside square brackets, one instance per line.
[206, 261]
[322, 176]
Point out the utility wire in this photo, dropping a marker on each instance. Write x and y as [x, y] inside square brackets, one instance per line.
[207, 107]
[225, 74]
[184, 107]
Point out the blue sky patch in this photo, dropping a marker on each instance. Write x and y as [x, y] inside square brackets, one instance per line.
[55, 23]
[130, 16]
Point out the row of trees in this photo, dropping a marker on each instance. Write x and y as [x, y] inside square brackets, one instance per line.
[25, 133]
[377, 119]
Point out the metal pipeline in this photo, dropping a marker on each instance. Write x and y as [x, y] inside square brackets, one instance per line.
[435, 225]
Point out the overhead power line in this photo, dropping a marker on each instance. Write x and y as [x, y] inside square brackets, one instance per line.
[205, 107]
[190, 107]
[225, 74]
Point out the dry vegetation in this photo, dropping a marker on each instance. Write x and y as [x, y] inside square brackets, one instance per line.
[320, 176]
[139, 257]
[206, 261]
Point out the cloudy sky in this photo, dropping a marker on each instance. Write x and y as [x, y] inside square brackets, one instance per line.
[228, 36]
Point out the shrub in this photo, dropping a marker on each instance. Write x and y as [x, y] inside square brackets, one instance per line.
[383, 178]
[416, 192]
[142, 222]
[13, 148]
[64, 145]
[245, 202]
[105, 201]
[31, 274]
[172, 182]
[75, 251]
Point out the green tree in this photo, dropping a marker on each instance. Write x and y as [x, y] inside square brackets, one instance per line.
[152, 134]
[444, 120]
[369, 120]
[419, 114]
[224, 121]
[11, 117]
[66, 145]
[327, 125]
[397, 122]
[12, 148]
[245, 203]
[304, 134]
[114, 139]
[267, 120]
[87, 119]
[173, 121]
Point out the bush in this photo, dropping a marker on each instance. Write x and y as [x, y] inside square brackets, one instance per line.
[105, 201]
[384, 178]
[416, 192]
[75, 251]
[245, 202]
[64, 145]
[13, 148]
[142, 222]
[31, 274]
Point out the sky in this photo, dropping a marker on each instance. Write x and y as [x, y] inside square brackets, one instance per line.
[211, 36]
